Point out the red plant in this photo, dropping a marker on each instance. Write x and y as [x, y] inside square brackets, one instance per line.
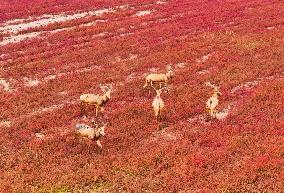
[240, 43]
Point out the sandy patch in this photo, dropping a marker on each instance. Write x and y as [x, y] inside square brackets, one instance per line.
[49, 19]
[126, 34]
[125, 7]
[204, 58]
[5, 85]
[19, 38]
[162, 135]
[13, 27]
[228, 24]
[50, 77]
[47, 109]
[161, 2]
[181, 65]
[5, 123]
[245, 86]
[40, 135]
[31, 82]
[100, 34]
[132, 56]
[225, 112]
[198, 118]
[203, 72]
[143, 13]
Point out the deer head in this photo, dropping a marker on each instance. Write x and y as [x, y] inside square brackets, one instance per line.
[170, 70]
[216, 88]
[101, 130]
[94, 123]
[106, 90]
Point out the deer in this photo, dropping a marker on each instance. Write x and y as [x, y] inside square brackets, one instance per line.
[93, 133]
[98, 100]
[213, 101]
[160, 78]
[158, 103]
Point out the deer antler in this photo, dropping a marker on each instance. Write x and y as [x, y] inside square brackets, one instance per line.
[109, 87]
[104, 124]
[220, 83]
[94, 122]
[211, 85]
[103, 88]
[169, 67]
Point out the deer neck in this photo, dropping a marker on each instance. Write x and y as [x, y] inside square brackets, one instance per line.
[97, 136]
[158, 96]
[168, 74]
[104, 99]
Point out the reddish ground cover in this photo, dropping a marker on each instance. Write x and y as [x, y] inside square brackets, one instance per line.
[237, 42]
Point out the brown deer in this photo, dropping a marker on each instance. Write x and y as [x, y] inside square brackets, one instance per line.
[158, 103]
[98, 100]
[213, 101]
[93, 133]
[160, 78]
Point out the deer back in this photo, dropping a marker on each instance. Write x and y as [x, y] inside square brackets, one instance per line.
[157, 77]
[212, 102]
[90, 98]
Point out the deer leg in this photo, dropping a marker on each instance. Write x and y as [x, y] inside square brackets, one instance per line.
[99, 143]
[96, 111]
[151, 83]
[165, 85]
[210, 112]
[100, 110]
[158, 117]
[215, 113]
[146, 84]
[82, 109]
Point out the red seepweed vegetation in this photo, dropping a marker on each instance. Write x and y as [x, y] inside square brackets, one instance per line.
[239, 43]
